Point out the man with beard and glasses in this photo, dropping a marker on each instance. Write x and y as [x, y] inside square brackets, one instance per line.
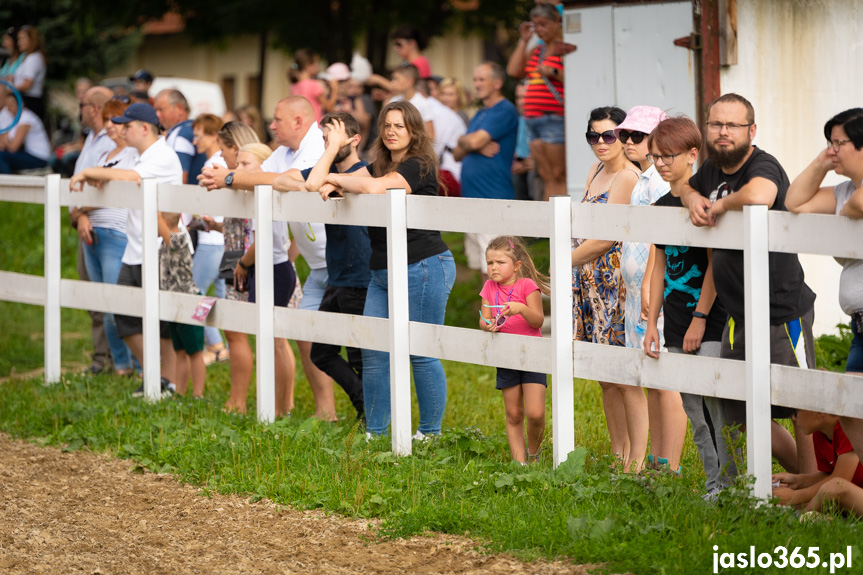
[736, 174]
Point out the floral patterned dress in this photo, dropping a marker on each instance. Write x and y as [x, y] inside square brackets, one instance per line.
[599, 294]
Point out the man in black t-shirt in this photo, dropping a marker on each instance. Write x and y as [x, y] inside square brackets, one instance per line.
[736, 174]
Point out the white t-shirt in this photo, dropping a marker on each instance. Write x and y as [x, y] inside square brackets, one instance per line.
[96, 146]
[448, 127]
[36, 141]
[312, 242]
[213, 238]
[32, 68]
[158, 161]
[114, 218]
[283, 159]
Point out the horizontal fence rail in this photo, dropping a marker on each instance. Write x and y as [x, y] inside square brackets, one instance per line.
[753, 231]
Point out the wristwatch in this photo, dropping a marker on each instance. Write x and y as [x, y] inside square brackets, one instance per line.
[242, 265]
[699, 315]
[229, 179]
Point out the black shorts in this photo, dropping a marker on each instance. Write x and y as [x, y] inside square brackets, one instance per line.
[512, 377]
[284, 282]
[129, 325]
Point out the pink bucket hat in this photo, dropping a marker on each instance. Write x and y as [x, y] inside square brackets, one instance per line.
[641, 119]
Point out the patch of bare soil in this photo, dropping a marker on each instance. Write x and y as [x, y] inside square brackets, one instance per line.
[87, 513]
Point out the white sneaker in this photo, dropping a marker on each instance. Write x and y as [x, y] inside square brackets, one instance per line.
[420, 436]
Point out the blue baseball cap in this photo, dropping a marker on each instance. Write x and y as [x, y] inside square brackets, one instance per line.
[141, 112]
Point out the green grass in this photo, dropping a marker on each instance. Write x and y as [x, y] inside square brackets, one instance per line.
[462, 483]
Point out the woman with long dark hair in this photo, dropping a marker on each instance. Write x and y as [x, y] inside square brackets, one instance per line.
[403, 158]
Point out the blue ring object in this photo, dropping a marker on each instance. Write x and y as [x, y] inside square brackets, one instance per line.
[20, 106]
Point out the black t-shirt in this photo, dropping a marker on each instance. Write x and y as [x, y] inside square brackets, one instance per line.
[684, 275]
[790, 297]
[421, 243]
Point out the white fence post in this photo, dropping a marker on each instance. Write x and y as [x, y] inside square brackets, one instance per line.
[757, 287]
[562, 411]
[399, 318]
[264, 300]
[52, 279]
[150, 284]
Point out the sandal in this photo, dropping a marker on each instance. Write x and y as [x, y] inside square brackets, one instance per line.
[534, 457]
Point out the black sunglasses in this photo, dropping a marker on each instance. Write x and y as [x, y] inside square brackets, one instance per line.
[625, 135]
[593, 137]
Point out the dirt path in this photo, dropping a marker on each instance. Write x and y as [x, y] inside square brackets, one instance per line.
[85, 513]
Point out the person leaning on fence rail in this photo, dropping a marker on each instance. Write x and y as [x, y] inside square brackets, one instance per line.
[665, 414]
[403, 158]
[97, 143]
[843, 155]
[683, 291]
[300, 146]
[737, 173]
[158, 161]
[102, 231]
[347, 256]
[599, 294]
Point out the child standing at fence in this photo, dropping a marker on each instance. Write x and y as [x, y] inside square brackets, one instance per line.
[175, 274]
[682, 286]
[511, 303]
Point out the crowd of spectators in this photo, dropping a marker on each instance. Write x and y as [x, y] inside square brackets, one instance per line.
[345, 130]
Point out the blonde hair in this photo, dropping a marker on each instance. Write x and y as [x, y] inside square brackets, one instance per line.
[459, 90]
[513, 247]
[260, 151]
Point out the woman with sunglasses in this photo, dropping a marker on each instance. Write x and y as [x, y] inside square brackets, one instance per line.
[404, 158]
[665, 410]
[599, 294]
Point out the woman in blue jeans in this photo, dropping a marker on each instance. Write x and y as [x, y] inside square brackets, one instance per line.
[403, 158]
[103, 231]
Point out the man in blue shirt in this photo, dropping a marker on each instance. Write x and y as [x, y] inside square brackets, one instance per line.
[347, 252]
[486, 151]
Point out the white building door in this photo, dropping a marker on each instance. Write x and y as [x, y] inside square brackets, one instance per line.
[626, 57]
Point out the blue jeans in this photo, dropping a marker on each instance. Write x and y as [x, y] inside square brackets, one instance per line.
[11, 162]
[102, 259]
[429, 284]
[205, 272]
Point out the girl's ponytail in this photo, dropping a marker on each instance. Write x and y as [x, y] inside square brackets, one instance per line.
[514, 247]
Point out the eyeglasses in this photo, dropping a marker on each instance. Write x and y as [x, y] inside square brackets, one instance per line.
[593, 137]
[731, 127]
[625, 135]
[836, 144]
[667, 159]
[499, 320]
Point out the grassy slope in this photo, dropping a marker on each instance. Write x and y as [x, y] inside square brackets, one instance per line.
[460, 483]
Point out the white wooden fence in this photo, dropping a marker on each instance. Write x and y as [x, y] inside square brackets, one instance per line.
[753, 231]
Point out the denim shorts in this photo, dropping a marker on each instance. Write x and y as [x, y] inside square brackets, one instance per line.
[548, 128]
[314, 288]
[855, 355]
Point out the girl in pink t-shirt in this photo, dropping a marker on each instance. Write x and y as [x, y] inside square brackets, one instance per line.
[511, 303]
[304, 82]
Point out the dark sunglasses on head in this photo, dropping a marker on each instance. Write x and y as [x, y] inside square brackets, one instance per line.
[625, 135]
[593, 137]
[122, 98]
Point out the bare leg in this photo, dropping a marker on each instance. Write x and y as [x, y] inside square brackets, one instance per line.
[241, 371]
[320, 383]
[199, 373]
[654, 417]
[673, 423]
[183, 371]
[556, 157]
[615, 419]
[513, 404]
[784, 447]
[843, 492]
[635, 407]
[166, 347]
[534, 410]
[284, 376]
[805, 451]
